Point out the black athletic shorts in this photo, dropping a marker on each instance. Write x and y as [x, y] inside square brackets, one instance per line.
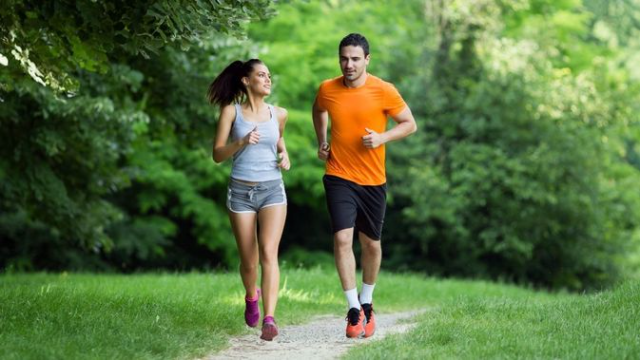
[352, 205]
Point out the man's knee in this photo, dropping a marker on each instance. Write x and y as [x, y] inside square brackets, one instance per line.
[370, 246]
[343, 239]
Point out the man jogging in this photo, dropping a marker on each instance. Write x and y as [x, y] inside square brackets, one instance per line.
[358, 104]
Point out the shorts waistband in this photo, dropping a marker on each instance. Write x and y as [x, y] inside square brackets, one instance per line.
[251, 184]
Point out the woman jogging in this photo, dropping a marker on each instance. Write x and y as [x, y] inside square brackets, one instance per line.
[251, 132]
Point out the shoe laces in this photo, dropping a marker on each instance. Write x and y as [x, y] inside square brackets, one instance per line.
[353, 316]
[368, 309]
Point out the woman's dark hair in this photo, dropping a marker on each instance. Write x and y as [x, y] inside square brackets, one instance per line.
[355, 39]
[227, 87]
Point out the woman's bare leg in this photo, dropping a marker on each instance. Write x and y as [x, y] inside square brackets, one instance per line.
[271, 221]
[244, 229]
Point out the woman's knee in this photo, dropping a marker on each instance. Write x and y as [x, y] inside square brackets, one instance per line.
[269, 260]
[268, 255]
[248, 266]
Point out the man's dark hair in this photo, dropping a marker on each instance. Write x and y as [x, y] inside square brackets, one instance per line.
[355, 39]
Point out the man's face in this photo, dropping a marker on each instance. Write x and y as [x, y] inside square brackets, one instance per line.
[353, 62]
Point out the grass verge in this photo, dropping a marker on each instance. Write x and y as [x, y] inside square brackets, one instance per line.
[597, 326]
[151, 316]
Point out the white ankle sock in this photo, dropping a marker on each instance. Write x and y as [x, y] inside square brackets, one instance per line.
[366, 296]
[352, 298]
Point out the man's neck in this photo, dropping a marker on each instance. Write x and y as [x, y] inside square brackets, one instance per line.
[357, 82]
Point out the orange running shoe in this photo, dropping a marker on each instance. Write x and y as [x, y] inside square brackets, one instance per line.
[370, 326]
[355, 326]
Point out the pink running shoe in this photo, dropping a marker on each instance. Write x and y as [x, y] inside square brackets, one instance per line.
[269, 328]
[252, 310]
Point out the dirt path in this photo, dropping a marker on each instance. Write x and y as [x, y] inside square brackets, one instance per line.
[322, 338]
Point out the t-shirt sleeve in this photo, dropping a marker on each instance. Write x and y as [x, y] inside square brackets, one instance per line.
[393, 102]
[320, 95]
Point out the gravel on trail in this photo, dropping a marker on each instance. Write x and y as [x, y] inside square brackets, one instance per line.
[322, 338]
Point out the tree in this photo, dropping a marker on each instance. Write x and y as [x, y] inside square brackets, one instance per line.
[512, 169]
[78, 87]
[51, 40]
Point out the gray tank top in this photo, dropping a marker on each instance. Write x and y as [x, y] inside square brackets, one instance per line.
[257, 162]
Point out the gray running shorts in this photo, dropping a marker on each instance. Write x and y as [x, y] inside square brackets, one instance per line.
[244, 198]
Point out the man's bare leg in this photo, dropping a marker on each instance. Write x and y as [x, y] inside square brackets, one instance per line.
[370, 259]
[344, 257]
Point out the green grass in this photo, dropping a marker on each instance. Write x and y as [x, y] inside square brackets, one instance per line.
[151, 316]
[148, 316]
[600, 326]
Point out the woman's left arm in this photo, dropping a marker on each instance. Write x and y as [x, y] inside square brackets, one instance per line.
[282, 147]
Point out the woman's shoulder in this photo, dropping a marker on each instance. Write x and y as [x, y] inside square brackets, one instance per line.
[228, 112]
[281, 113]
[229, 108]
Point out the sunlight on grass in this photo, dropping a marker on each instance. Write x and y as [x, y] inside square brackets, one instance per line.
[150, 316]
[302, 296]
[235, 299]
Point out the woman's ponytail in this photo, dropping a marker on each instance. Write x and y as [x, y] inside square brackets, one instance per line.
[227, 87]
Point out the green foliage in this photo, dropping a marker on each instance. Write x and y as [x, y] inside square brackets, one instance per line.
[60, 161]
[511, 173]
[524, 166]
[298, 257]
[72, 162]
[301, 43]
[51, 39]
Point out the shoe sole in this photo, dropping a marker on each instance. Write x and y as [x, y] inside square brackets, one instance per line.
[360, 336]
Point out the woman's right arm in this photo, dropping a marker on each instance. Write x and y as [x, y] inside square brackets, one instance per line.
[221, 150]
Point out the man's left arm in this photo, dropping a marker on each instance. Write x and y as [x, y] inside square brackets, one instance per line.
[405, 126]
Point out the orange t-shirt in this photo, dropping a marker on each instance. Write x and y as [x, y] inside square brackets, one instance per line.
[351, 111]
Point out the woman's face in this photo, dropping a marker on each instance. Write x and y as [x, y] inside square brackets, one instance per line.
[259, 80]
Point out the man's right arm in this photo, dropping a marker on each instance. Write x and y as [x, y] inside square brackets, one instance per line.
[320, 123]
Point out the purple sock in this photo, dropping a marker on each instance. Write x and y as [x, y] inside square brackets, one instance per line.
[269, 320]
